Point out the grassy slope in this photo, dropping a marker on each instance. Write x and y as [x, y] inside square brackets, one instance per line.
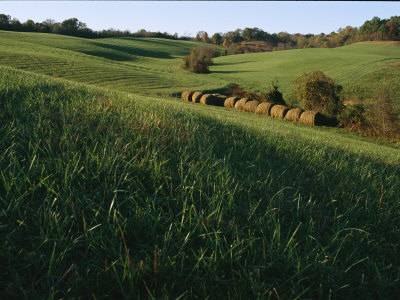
[344, 64]
[94, 182]
[362, 69]
[151, 66]
[111, 194]
[147, 66]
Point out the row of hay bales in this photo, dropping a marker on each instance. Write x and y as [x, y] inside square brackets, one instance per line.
[253, 106]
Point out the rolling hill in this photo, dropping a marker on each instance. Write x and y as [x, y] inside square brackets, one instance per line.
[108, 190]
[152, 66]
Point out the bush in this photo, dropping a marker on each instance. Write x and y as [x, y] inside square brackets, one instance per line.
[353, 118]
[383, 117]
[273, 94]
[200, 59]
[316, 91]
[379, 120]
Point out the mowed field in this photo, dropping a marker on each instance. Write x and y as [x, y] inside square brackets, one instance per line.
[151, 66]
[118, 189]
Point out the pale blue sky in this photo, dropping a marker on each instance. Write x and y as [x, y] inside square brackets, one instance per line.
[187, 18]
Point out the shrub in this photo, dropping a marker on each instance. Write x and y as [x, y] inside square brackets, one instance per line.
[383, 117]
[200, 59]
[273, 95]
[315, 91]
[379, 120]
[353, 117]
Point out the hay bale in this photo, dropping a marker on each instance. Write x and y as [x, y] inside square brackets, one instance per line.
[183, 95]
[187, 95]
[221, 96]
[240, 105]
[210, 99]
[279, 111]
[220, 99]
[196, 97]
[264, 108]
[251, 106]
[311, 118]
[294, 114]
[206, 98]
[230, 102]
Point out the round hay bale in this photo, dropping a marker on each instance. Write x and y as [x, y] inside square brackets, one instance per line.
[294, 114]
[251, 106]
[240, 105]
[196, 97]
[210, 99]
[183, 95]
[230, 102]
[264, 108]
[187, 95]
[279, 111]
[311, 118]
[221, 96]
[219, 100]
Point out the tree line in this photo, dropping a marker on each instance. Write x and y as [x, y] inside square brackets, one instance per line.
[74, 27]
[257, 40]
[237, 41]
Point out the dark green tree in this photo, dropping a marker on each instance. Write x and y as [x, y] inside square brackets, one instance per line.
[216, 38]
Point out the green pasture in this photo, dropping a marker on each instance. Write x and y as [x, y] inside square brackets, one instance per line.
[111, 194]
[111, 187]
[151, 66]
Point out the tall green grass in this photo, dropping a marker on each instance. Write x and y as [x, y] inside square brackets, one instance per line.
[109, 194]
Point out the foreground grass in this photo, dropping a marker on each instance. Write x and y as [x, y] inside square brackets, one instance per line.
[107, 194]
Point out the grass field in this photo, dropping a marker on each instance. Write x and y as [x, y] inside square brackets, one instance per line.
[152, 66]
[105, 192]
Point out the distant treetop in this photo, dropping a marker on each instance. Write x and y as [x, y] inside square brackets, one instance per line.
[237, 41]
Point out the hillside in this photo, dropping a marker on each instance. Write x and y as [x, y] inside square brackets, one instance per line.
[107, 190]
[152, 66]
[146, 66]
[345, 64]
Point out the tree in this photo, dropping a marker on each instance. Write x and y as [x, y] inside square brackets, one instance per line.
[16, 24]
[29, 25]
[198, 36]
[70, 26]
[318, 92]
[371, 26]
[237, 36]
[247, 34]
[5, 20]
[205, 37]
[216, 38]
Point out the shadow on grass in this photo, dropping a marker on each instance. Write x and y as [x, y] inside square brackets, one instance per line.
[123, 53]
[154, 166]
[233, 63]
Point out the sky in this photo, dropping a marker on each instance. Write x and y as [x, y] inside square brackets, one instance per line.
[189, 17]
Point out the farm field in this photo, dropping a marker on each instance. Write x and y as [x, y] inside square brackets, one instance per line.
[111, 187]
[151, 66]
